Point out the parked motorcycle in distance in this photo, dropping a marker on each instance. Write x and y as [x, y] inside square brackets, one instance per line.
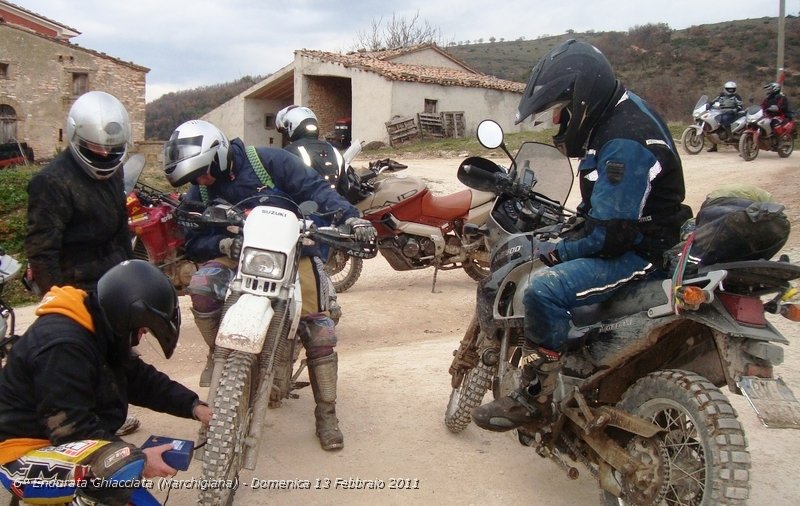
[707, 126]
[157, 238]
[638, 399]
[257, 343]
[10, 269]
[759, 135]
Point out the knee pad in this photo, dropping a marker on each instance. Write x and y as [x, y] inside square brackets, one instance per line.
[115, 463]
[318, 334]
[208, 286]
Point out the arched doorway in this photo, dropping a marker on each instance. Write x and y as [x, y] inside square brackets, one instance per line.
[8, 123]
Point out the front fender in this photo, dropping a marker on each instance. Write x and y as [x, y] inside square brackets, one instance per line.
[244, 326]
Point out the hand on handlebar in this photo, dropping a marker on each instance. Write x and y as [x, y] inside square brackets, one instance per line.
[231, 247]
[362, 230]
[546, 251]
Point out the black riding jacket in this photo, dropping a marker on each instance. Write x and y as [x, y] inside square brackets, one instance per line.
[63, 383]
[77, 225]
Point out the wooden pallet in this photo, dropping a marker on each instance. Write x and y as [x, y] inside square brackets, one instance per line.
[401, 130]
[453, 124]
[430, 125]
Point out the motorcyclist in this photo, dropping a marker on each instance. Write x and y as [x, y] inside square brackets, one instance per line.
[731, 104]
[632, 189]
[776, 105]
[77, 220]
[300, 130]
[199, 153]
[68, 381]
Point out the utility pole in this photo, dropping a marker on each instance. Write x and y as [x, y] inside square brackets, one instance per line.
[781, 36]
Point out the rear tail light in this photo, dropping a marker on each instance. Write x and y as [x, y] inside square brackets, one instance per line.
[745, 310]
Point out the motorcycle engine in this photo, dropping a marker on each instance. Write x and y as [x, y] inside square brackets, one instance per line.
[406, 252]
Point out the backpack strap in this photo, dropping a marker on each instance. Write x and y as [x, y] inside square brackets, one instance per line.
[258, 167]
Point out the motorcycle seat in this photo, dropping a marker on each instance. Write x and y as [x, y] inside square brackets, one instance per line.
[447, 207]
[632, 298]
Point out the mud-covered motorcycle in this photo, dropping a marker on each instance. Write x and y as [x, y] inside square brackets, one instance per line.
[638, 401]
[257, 343]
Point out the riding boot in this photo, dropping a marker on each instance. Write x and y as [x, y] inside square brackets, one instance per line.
[529, 402]
[208, 325]
[712, 149]
[323, 374]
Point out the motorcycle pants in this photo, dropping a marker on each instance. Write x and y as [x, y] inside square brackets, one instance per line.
[104, 472]
[552, 292]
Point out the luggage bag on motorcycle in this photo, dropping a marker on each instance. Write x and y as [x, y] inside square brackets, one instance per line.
[736, 224]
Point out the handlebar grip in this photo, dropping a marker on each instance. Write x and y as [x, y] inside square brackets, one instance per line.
[497, 177]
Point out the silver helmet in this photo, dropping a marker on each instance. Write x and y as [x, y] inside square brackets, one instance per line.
[193, 148]
[98, 133]
[297, 122]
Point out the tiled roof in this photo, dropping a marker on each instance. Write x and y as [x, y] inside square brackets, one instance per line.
[380, 63]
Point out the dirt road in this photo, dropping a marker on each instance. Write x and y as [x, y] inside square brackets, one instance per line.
[396, 343]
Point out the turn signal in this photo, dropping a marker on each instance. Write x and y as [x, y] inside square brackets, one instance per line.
[791, 312]
[691, 297]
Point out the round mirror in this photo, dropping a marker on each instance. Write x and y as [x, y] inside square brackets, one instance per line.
[490, 134]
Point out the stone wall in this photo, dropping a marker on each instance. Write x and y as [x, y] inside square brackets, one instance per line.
[38, 85]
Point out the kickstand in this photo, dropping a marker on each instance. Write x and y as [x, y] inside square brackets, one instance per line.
[435, 272]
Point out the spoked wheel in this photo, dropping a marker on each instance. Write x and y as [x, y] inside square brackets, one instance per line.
[228, 429]
[692, 141]
[343, 270]
[748, 147]
[700, 458]
[785, 146]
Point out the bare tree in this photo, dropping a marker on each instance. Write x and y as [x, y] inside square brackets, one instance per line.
[397, 32]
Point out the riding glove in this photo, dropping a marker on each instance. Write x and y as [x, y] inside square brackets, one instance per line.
[362, 230]
[547, 253]
[231, 247]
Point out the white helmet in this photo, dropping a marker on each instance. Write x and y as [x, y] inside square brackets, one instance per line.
[730, 87]
[192, 149]
[297, 122]
[98, 133]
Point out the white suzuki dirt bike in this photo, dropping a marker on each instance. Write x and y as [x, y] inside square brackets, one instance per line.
[257, 343]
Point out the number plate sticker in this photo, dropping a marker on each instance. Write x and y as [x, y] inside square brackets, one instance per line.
[773, 402]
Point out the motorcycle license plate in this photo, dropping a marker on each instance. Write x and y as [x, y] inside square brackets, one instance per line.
[773, 402]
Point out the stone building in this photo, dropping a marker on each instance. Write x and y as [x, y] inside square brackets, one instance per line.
[42, 73]
[371, 89]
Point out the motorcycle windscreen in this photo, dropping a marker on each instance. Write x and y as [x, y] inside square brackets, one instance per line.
[543, 169]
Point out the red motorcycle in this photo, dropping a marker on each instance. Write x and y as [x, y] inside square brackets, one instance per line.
[416, 229]
[760, 134]
[157, 238]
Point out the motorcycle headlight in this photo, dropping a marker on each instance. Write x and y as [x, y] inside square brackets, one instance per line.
[261, 263]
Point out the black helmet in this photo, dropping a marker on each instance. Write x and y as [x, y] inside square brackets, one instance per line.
[135, 295]
[576, 81]
[772, 89]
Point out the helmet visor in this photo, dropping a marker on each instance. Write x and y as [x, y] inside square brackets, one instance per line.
[101, 156]
[178, 150]
[730, 90]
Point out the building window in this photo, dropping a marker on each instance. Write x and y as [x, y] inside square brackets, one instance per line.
[80, 83]
[269, 121]
[3, 70]
[430, 106]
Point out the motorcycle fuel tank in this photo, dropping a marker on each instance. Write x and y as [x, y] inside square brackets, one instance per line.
[392, 191]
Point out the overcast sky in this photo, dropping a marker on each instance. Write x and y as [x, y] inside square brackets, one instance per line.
[191, 43]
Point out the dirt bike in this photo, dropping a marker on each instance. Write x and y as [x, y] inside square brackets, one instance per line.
[417, 229]
[157, 238]
[257, 342]
[10, 269]
[638, 400]
[707, 125]
[760, 134]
